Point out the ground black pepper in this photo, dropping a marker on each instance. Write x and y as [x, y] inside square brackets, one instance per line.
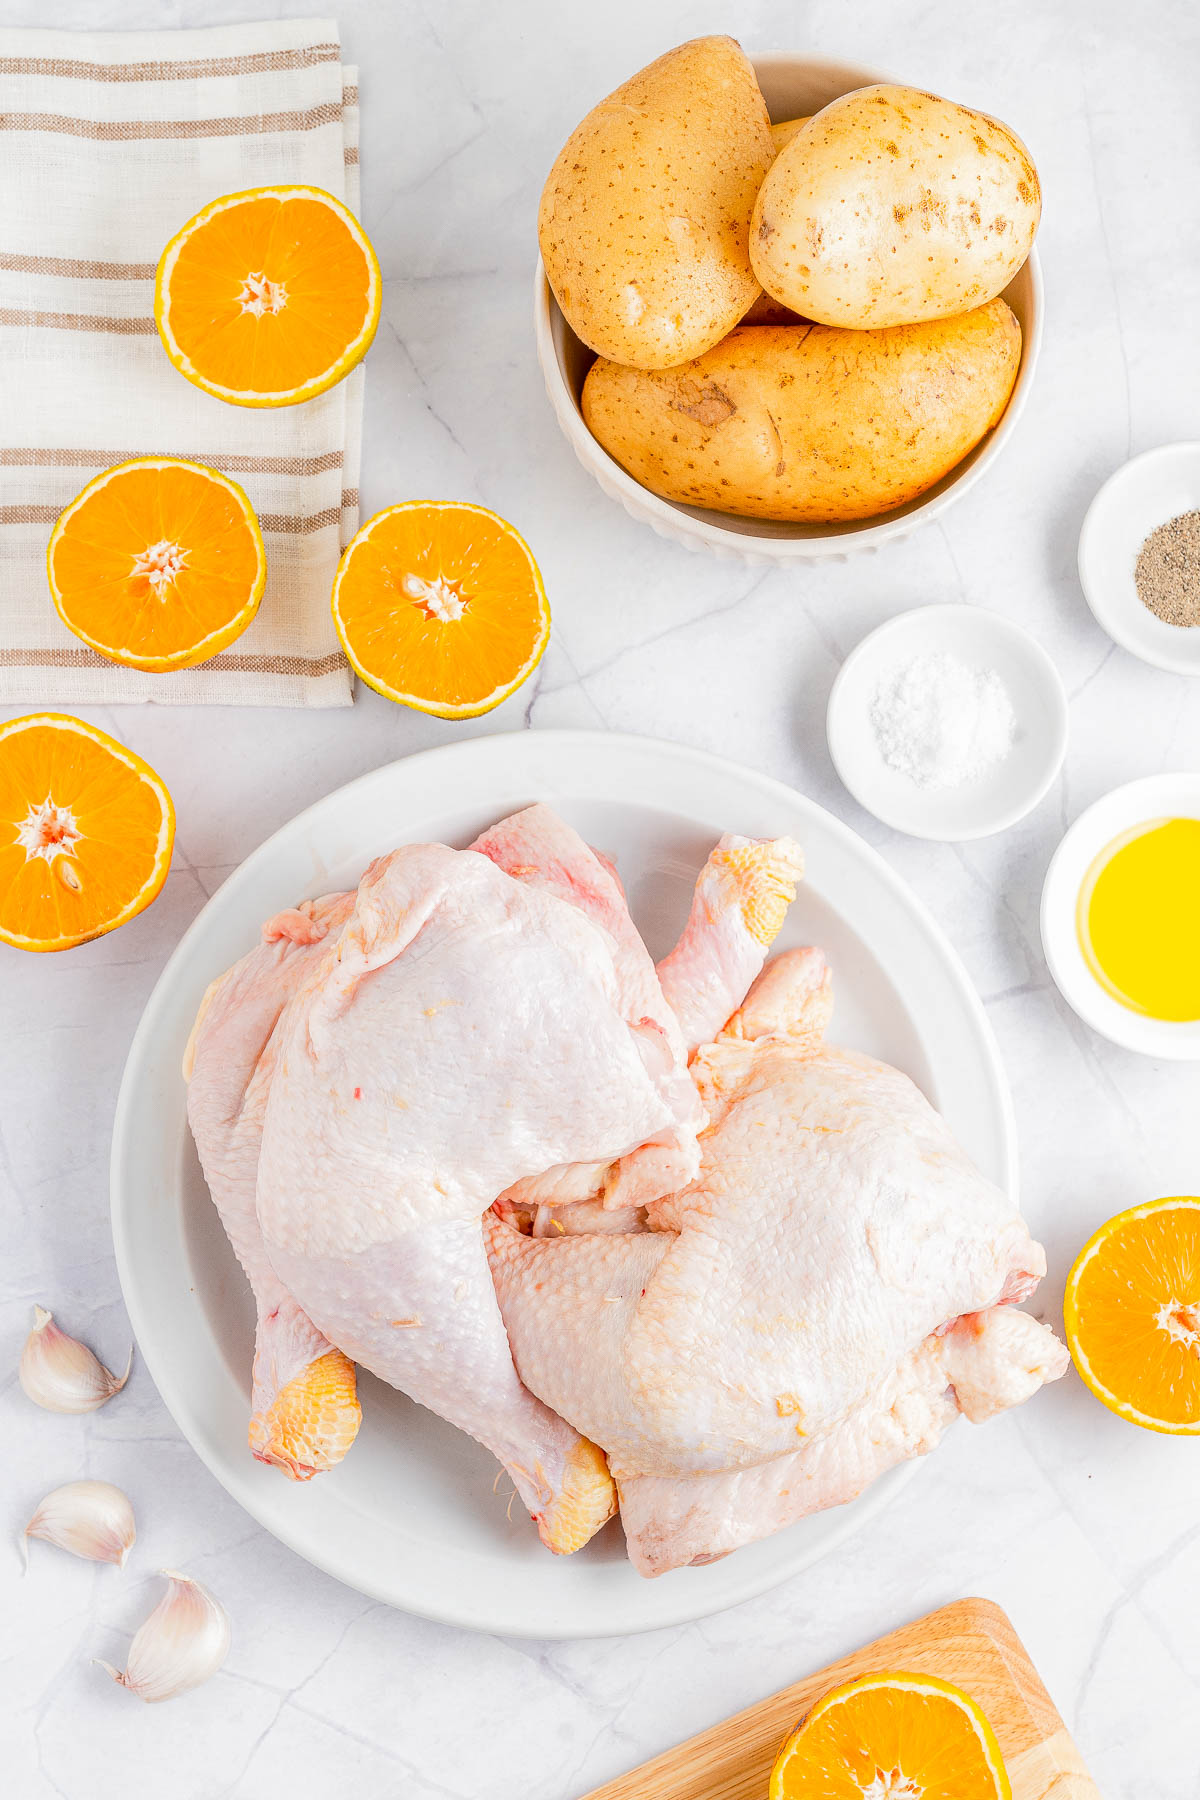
[1167, 573]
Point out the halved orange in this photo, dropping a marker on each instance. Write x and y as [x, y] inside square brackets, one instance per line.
[892, 1736]
[440, 605]
[86, 829]
[268, 297]
[1132, 1313]
[157, 563]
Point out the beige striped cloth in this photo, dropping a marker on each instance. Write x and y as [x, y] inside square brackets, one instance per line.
[109, 143]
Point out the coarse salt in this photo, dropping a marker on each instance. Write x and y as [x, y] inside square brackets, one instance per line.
[941, 722]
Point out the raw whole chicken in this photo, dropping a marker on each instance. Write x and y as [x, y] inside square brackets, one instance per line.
[615, 1222]
[820, 1303]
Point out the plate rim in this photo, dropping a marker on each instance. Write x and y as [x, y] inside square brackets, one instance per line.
[455, 1611]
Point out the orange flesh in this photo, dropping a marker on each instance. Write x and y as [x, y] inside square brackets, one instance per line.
[887, 1744]
[387, 598]
[121, 851]
[317, 273]
[1134, 1312]
[95, 562]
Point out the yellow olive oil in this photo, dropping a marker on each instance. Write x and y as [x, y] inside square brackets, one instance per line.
[1138, 918]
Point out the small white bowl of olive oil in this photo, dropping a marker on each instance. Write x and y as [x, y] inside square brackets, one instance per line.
[1121, 916]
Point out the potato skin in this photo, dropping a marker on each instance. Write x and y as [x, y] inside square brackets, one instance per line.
[891, 206]
[810, 422]
[644, 223]
[785, 130]
[766, 310]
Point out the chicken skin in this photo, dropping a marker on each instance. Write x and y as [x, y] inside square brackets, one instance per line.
[820, 1303]
[640, 1231]
[466, 1030]
[538, 848]
[304, 1407]
[742, 896]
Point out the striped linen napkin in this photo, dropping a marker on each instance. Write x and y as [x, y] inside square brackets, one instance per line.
[111, 142]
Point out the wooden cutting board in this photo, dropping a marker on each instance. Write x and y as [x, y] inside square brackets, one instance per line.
[971, 1643]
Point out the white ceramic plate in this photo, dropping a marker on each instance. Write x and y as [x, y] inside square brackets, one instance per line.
[1133, 502]
[792, 87]
[983, 640]
[1136, 803]
[410, 1517]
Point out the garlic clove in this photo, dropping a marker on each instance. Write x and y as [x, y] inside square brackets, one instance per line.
[183, 1642]
[61, 1374]
[89, 1518]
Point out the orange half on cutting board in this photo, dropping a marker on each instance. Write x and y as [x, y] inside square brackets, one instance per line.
[86, 829]
[895, 1736]
[157, 564]
[1132, 1314]
[440, 605]
[268, 297]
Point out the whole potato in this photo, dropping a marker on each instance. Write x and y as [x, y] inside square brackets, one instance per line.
[891, 206]
[645, 218]
[786, 129]
[766, 310]
[810, 422]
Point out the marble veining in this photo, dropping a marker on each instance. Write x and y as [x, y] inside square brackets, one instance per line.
[1085, 1529]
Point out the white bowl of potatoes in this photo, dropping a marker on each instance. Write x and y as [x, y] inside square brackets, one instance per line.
[785, 342]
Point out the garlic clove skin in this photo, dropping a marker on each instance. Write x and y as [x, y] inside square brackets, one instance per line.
[92, 1519]
[183, 1642]
[61, 1374]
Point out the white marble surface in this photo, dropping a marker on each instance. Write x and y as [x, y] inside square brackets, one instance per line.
[1086, 1529]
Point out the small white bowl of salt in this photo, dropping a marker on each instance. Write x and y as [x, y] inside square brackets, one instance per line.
[948, 722]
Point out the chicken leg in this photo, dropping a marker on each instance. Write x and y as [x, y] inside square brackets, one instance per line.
[820, 1303]
[465, 1031]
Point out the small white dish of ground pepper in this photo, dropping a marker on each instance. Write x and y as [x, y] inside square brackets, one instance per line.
[1139, 557]
[948, 722]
